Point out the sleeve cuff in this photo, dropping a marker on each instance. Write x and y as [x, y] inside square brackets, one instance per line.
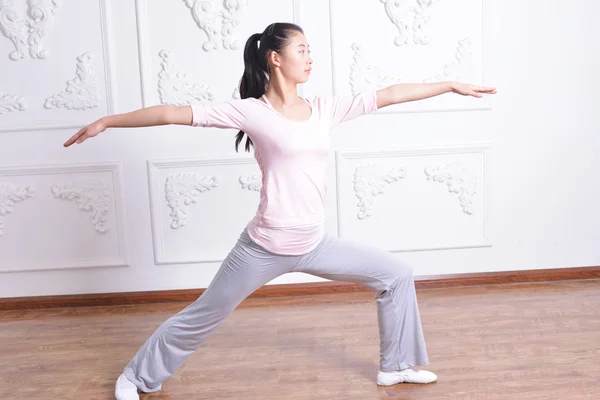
[198, 114]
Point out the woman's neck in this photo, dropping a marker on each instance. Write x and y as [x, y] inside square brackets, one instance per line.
[282, 93]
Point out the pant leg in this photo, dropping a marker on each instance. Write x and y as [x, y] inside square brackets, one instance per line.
[402, 344]
[247, 267]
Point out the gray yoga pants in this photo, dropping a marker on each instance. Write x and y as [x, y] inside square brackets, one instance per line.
[249, 266]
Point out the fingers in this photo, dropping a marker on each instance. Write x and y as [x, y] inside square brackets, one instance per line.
[485, 89]
[81, 139]
[474, 90]
[479, 91]
[72, 139]
[76, 137]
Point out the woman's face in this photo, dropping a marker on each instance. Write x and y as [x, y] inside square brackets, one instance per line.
[295, 62]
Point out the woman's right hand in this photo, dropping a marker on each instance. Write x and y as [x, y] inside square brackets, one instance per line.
[86, 132]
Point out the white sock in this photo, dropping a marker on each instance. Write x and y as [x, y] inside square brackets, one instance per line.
[125, 389]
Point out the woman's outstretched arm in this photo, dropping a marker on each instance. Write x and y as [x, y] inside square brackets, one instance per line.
[403, 92]
[149, 116]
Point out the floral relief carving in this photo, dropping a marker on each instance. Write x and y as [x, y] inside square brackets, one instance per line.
[180, 190]
[364, 76]
[11, 102]
[370, 181]
[90, 196]
[9, 196]
[81, 92]
[410, 17]
[27, 33]
[174, 87]
[253, 182]
[457, 67]
[218, 23]
[460, 181]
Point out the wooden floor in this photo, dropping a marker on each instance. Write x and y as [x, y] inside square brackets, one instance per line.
[516, 341]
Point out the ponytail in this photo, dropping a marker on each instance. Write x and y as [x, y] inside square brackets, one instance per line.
[255, 79]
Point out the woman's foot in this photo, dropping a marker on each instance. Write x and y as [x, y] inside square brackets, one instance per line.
[125, 389]
[408, 375]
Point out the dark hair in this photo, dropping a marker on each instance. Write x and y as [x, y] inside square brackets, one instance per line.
[256, 68]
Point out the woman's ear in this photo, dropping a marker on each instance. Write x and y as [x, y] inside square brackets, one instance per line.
[274, 58]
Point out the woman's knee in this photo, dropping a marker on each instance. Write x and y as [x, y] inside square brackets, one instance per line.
[398, 272]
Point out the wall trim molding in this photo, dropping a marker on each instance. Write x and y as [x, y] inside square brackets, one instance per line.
[378, 157]
[108, 63]
[298, 289]
[74, 173]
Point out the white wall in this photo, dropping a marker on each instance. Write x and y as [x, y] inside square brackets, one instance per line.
[521, 162]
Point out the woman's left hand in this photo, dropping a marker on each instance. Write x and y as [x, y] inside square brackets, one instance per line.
[471, 90]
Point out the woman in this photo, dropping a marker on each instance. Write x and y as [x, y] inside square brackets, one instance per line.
[290, 139]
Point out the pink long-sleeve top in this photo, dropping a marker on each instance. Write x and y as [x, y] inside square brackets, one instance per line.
[292, 156]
